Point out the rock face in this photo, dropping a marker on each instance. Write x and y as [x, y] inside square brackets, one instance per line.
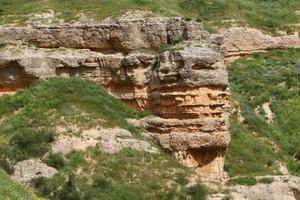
[26, 170]
[283, 187]
[123, 35]
[137, 61]
[244, 41]
[109, 140]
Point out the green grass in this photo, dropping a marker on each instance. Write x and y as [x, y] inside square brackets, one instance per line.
[268, 14]
[10, 190]
[248, 180]
[247, 154]
[266, 180]
[256, 145]
[128, 175]
[33, 115]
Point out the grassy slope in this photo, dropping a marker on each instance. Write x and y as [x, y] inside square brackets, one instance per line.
[256, 145]
[267, 14]
[30, 118]
[12, 191]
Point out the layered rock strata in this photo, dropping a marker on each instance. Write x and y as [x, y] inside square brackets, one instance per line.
[138, 62]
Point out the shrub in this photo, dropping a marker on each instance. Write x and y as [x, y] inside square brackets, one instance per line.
[69, 190]
[4, 164]
[198, 192]
[266, 180]
[102, 183]
[32, 142]
[55, 160]
[247, 180]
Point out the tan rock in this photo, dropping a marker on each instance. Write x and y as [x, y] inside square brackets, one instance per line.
[109, 140]
[283, 187]
[26, 170]
[239, 41]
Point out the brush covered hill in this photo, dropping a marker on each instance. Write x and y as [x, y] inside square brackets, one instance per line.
[38, 123]
[265, 119]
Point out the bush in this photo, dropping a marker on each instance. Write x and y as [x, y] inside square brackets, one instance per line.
[243, 181]
[55, 160]
[68, 190]
[102, 183]
[4, 164]
[32, 142]
[198, 192]
[266, 180]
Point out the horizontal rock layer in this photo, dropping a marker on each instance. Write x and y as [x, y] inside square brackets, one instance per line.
[122, 35]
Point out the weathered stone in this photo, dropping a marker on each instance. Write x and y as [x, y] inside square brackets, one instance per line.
[244, 41]
[282, 187]
[109, 140]
[121, 35]
[26, 170]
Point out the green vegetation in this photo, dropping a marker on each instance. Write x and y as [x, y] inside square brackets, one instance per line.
[9, 190]
[266, 180]
[256, 144]
[125, 175]
[55, 160]
[268, 14]
[31, 116]
[243, 181]
[247, 153]
[28, 124]
[250, 180]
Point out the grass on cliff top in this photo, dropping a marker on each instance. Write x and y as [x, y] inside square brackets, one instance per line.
[256, 144]
[27, 126]
[268, 14]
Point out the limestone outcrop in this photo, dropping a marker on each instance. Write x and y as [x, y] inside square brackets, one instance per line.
[123, 35]
[239, 41]
[139, 62]
[27, 170]
[110, 140]
[282, 187]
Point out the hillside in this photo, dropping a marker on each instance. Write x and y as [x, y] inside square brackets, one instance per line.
[258, 147]
[268, 15]
[265, 121]
[150, 99]
[32, 120]
[12, 191]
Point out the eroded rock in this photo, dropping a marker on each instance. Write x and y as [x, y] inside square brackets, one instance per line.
[109, 140]
[283, 187]
[239, 41]
[27, 170]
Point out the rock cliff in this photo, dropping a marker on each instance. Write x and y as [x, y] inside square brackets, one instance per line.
[171, 67]
[139, 62]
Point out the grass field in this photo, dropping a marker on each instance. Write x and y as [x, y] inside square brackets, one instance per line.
[268, 14]
[256, 144]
